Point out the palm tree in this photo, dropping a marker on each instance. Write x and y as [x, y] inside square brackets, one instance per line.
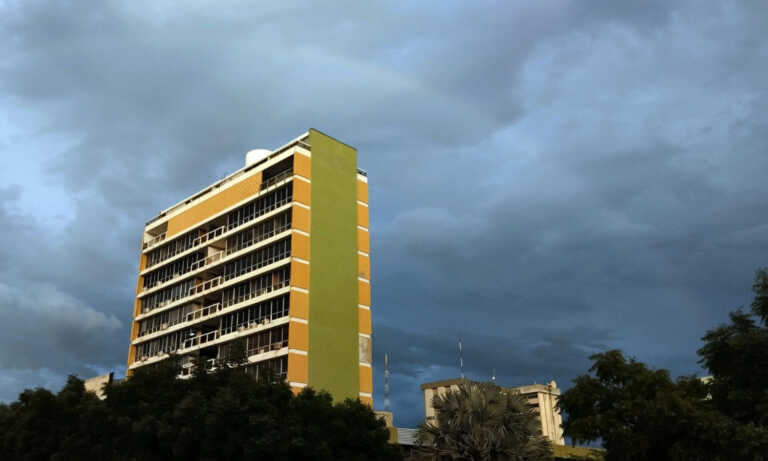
[483, 422]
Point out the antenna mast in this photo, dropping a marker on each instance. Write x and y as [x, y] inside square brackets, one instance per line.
[386, 382]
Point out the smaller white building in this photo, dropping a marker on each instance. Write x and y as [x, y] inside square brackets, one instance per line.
[97, 384]
[541, 397]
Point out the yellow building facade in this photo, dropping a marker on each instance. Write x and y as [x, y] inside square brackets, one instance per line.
[275, 257]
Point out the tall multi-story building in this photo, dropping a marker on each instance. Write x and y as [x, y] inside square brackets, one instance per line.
[542, 398]
[274, 257]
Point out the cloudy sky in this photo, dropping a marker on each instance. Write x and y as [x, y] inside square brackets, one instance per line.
[548, 179]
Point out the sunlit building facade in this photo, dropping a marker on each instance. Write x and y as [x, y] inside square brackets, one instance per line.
[275, 257]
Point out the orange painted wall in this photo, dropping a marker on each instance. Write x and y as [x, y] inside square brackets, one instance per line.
[362, 191]
[363, 241]
[301, 192]
[364, 289]
[362, 215]
[300, 275]
[364, 321]
[364, 293]
[213, 205]
[299, 305]
[298, 336]
[366, 379]
[363, 266]
[302, 165]
[297, 368]
[300, 219]
[300, 246]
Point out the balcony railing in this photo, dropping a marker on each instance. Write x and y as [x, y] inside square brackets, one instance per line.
[276, 346]
[198, 241]
[203, 287]
[257, 265]
[154, 241]
[255, 293]
[205, 261]
[276, 179]
[209, 236]
[204, 312]
[199, 340]
[258, 239]
[266, 320]
[261, 212]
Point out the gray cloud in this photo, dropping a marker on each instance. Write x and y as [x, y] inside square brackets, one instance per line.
[548, 179]
[53, 327]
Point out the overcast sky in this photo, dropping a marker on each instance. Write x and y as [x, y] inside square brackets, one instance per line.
[548, 179]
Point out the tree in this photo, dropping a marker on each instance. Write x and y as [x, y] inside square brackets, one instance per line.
[482, 421]
[226, 415]
[736, 355]
[639, 413]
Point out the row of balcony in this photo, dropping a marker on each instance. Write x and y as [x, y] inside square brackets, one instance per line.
[216, 334]
[214, 363]
[214, 309]
[212, 284]
[207, 338]
[216, 257]
[278, 179]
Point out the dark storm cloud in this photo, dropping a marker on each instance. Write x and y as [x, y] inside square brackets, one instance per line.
[56, 314]
[548, 179]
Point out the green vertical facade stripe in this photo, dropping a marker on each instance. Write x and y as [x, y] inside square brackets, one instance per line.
[333, 336]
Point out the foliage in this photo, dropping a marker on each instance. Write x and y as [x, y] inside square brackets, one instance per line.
[639, 413]
[736, 355]
[225, 415]
[482, 421]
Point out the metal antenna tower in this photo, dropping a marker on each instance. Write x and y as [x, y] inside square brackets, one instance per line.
[386, 382]
[461, 360]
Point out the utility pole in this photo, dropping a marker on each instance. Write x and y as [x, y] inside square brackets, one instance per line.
[386, 382]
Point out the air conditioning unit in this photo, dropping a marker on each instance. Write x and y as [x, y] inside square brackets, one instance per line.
[164, 326]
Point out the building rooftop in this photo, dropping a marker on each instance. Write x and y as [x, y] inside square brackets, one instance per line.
[552, 386]
[302, 140]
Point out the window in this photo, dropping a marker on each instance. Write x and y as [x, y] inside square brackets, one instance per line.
[256, 286]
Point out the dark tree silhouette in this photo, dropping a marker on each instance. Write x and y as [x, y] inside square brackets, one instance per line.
[639, 413]
[225, 415]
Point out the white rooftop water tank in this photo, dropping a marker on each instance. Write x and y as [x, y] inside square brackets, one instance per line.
[256, 155]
